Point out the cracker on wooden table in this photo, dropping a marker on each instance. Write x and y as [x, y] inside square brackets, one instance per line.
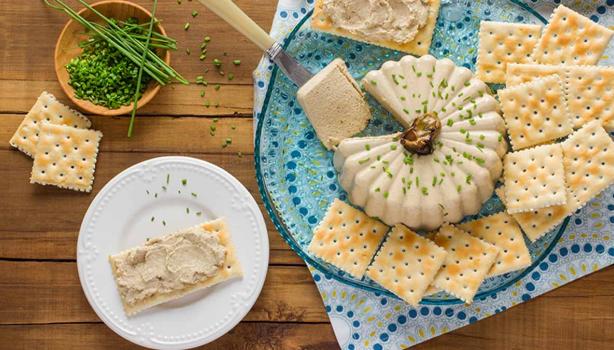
[535, 112]
[467, 264]
[231, 268]
[419, 46]
[406, 264]
[502, 231]
[537, 223]
[65, 157]
[590, 95]
[46, 109]
[589, 162]
[502, 43]
[347, 238]
[534, 178]
[570, 38]
[519, 73]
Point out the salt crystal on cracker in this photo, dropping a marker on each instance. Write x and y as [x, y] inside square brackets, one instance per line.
[519, 73]
[502, 43]
[468, 262]
[535, 112]
[570, 38]
[347, 238]
[65, 157]
[502, 231]
[590, 95]
[406, 264]
[46, 109]
[589, 162]
[534, 178]
[537, 223]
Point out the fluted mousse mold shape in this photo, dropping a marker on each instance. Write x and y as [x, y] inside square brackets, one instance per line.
[445, 163]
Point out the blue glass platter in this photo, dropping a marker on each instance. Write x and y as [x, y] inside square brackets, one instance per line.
[294, 171]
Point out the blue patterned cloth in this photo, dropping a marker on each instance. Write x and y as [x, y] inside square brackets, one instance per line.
[365, 320]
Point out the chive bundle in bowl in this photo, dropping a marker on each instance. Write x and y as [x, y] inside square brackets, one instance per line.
[130, 35]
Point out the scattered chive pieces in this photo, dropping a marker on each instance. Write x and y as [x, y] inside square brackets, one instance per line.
[163, 222]
[147, 191]
[207, 104]
[194, 13]
[233, 127]
[186, 26]
[202, 93]
[202, 57]
[164, 188]
[152, 219]
[168, 178]
[187, 210]
[194, 195]
[184, 182]
[217, 62]
[231, 76]
[207, 39]
[217, 87]
[215, 120]
[199, 213]
[155, 195]
[217, 104]
[240, 154]
[236, 62]
[187, 51]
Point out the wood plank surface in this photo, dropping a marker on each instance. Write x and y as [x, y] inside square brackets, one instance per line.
[41, 302]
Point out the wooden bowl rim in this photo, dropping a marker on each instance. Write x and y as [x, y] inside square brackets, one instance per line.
[85, 105]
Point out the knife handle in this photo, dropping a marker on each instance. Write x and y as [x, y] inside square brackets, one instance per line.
[234, 16]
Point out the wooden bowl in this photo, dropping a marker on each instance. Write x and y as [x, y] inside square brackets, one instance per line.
[67, 47]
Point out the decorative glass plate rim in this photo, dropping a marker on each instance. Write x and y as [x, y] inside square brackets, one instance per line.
[284, 231]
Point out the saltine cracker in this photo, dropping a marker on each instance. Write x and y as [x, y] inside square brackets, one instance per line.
[501, 43]
[347, 238]
[65, 157]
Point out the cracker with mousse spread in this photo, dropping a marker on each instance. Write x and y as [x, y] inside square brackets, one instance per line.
[400, 25]
[174, 265]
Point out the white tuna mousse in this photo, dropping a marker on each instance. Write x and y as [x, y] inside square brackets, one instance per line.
[381, 20]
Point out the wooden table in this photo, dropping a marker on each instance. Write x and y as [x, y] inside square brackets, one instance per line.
[41, 302]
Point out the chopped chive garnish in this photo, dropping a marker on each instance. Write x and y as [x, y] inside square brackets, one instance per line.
[147, 191]
[236, 62]
[231, 76]
[468, 179]
[217, 87]
[386, 194]
[184, 182]
[187, 210]
[163, 222]
[168, 178]
[368, 147]
[202, 93]
[187, 51]
[164, 188]
[217, 62]
[152, 219]
[155, 195]
[450, 122]
[194, 13]
[199, 213]
[373, 82]
[425, 191]
[186, 26]
[194, 195]
[207, 39]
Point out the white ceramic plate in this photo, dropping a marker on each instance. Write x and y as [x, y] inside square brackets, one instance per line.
[120, 217]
